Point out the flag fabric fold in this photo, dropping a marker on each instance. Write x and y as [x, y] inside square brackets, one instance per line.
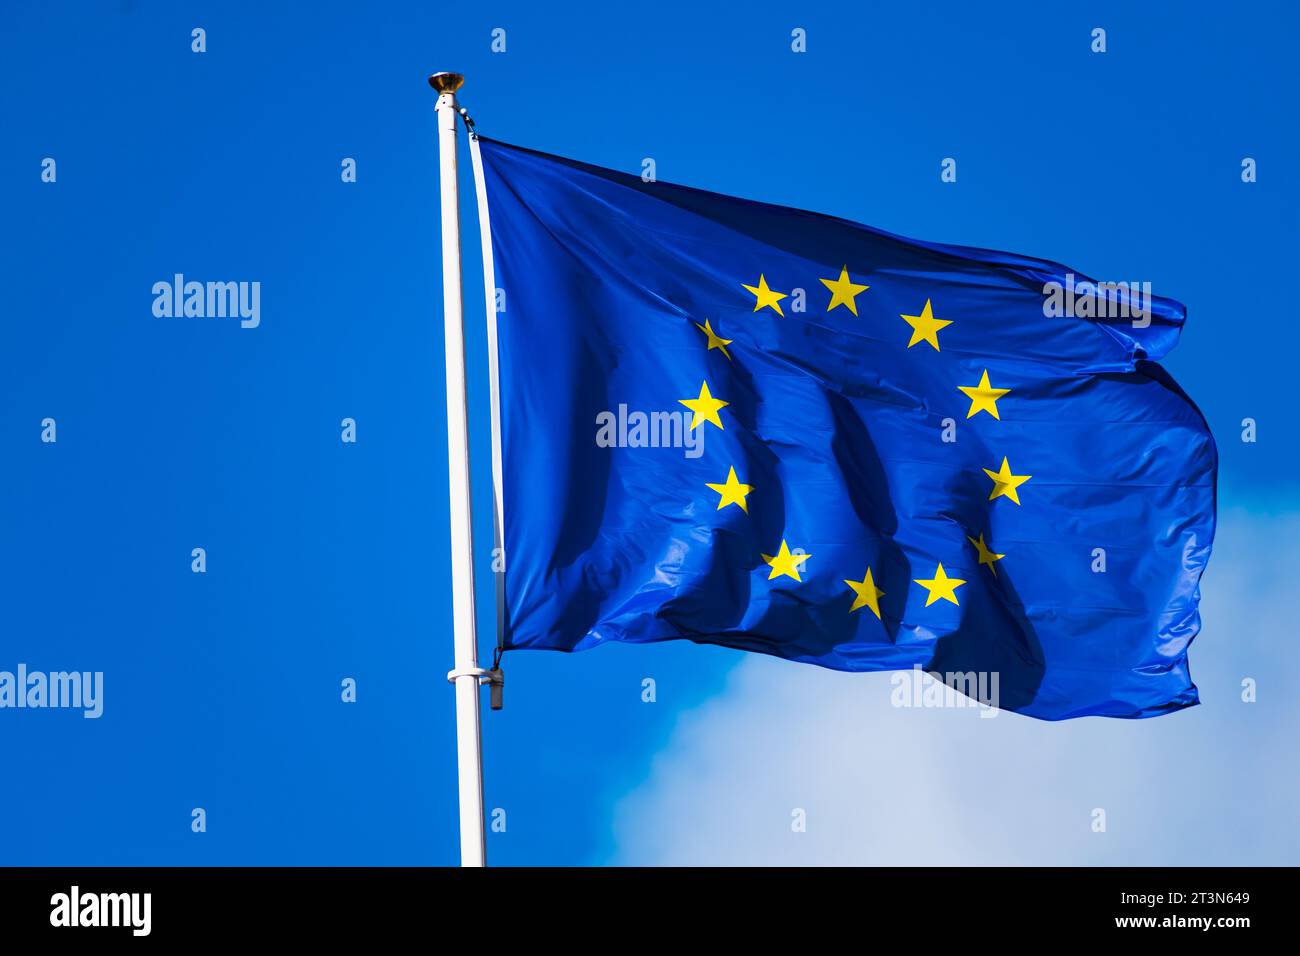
[779, 431]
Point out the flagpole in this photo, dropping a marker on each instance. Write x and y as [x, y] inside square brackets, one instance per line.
[467, 674]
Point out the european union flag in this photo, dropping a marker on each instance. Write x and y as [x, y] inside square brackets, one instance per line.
[783, 432]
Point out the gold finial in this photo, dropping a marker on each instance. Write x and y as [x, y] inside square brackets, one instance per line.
[446, 82]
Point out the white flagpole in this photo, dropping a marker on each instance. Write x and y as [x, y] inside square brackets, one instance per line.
[467, 674]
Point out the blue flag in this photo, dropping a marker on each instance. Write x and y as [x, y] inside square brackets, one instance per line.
[779, 431]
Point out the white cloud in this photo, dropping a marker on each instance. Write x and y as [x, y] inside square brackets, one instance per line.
[1216, 784]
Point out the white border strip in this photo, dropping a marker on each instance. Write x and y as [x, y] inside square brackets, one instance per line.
[494, 382]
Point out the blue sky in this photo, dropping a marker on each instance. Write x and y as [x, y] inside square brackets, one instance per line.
[328, 561]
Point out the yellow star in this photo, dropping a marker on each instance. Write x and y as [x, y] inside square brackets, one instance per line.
[785, 563]
[983, 397]
[987, 556]
[868, 595]
[715, 341]
[765, 296]
[843, 292]
[925, 327]
[1005, 483]
[732, 492]
[941, 586]
[705, 407]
